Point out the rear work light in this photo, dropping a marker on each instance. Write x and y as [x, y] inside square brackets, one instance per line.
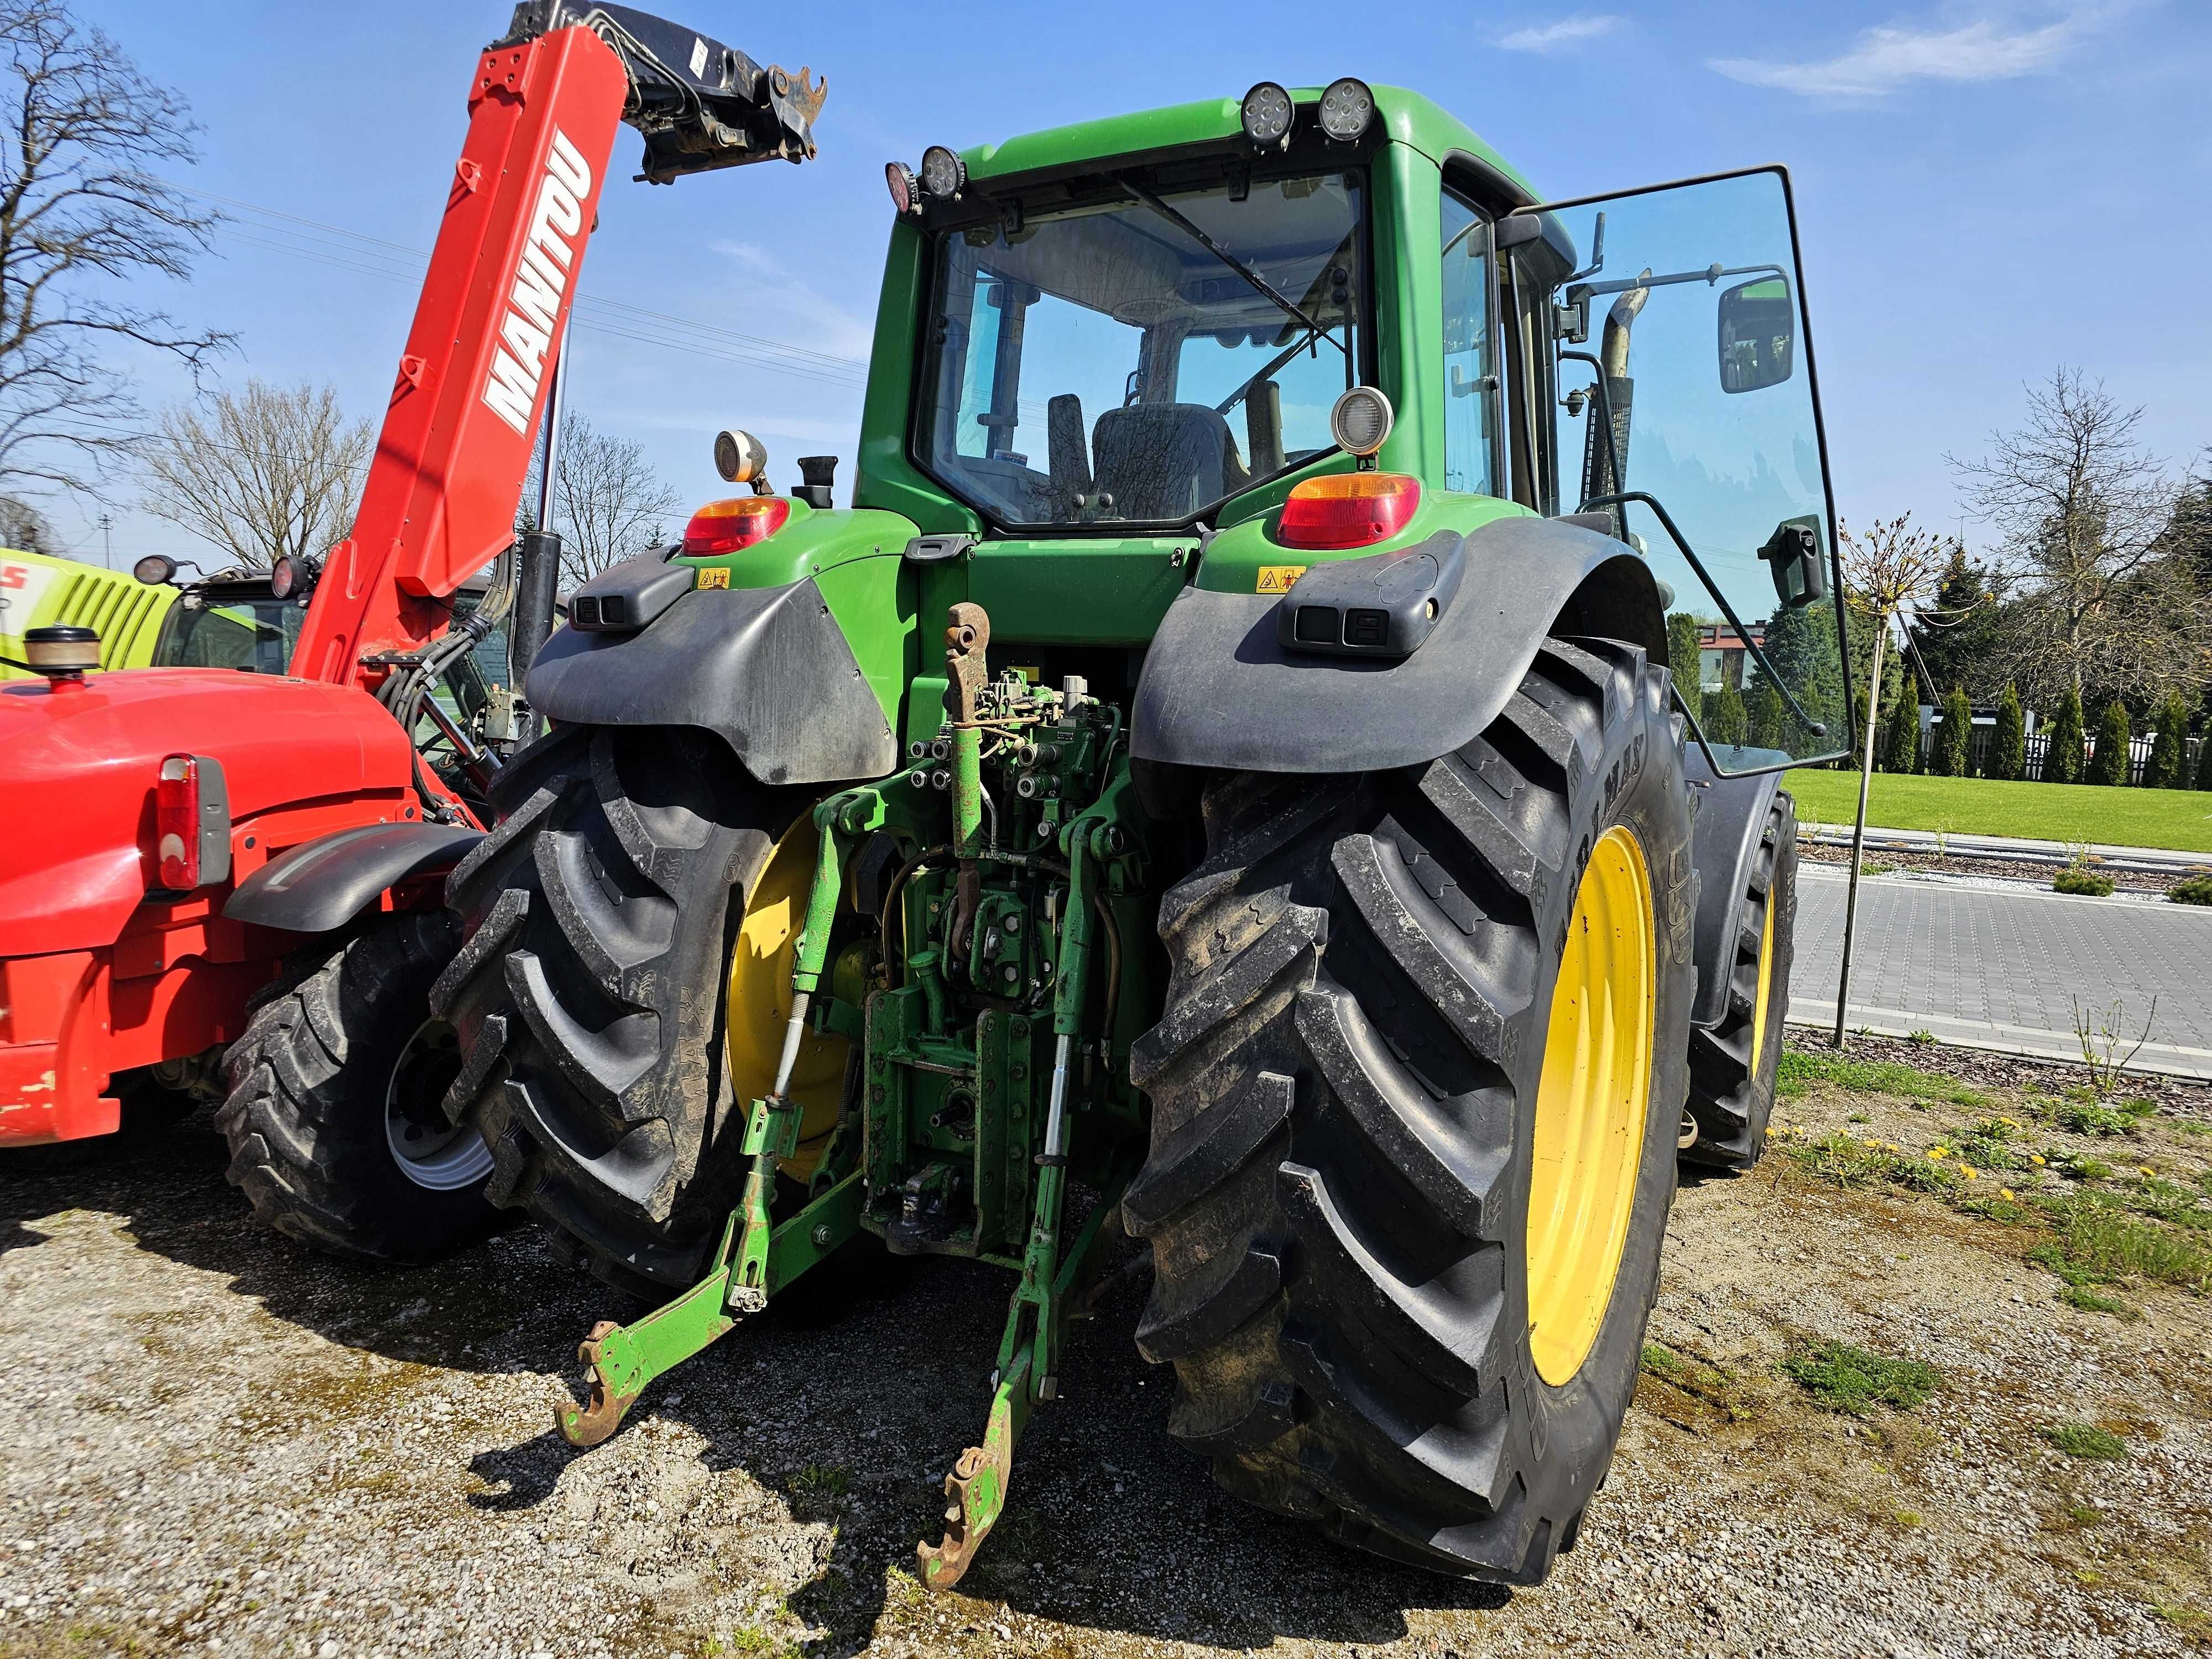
[1348, 510]
[724, 527]
[192, 822]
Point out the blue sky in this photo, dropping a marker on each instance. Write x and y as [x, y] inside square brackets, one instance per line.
[1986, 191]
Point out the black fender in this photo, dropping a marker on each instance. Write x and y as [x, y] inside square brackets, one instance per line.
[1220, 690]
[765, 669]
[326, 883]
[1723, 842]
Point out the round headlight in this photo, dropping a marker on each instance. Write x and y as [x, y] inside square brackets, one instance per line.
[899, 177]
[155, 569]
[1346, 109]
[1267, 115]
[60, 649]
[944, 175]
[740, 457]
[286, 578]
[1360, 421]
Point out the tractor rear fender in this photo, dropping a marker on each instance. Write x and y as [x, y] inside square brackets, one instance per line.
[1731, 818]
[768, 670]
[1219, 690]
[326, 883]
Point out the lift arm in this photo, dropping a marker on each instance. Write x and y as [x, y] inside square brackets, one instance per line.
[458, 435]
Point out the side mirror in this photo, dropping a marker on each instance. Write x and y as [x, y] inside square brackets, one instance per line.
[1758, 335]
[1792, 554]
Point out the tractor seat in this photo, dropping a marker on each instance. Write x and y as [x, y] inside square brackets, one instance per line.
[1165, 460]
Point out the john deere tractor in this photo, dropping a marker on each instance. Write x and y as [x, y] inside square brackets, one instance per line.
[1221, 790]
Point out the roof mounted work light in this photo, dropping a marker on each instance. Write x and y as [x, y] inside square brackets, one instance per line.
[155, 569]
[905, 196]
[291, 576]
[1267, 116]
[943, 174]
[1347, 109]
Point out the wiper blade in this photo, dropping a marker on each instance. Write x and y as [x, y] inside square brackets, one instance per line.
[1289, 306]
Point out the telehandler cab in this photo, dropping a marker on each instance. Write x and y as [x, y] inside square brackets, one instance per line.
[232, 881]
[1216, 783]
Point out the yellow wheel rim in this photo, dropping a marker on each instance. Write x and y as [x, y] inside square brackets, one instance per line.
[1766, 985]
[1590, 1107]
[759, 1005]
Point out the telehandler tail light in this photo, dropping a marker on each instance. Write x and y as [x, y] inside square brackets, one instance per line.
[177, 823]
[1348, 510]
[726, 526]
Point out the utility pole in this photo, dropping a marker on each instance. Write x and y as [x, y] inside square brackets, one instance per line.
[106, 541]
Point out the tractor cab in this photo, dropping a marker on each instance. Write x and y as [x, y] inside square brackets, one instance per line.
[1139, 328]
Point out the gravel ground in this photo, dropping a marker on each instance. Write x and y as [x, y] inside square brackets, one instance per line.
[224, 1444]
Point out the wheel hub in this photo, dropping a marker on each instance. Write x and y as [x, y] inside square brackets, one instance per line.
[433, 1154]
[759, 1005]
[1591, 1102]
[1766, 985]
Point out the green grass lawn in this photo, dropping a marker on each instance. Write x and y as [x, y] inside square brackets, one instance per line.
[2045, 812]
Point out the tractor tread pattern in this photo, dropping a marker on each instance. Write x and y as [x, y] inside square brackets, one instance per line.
[1365, 948]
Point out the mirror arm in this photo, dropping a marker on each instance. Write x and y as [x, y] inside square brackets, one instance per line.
[1817, 728]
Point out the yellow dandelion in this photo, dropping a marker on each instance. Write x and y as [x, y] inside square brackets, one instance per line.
[2036, 1158]
[1938, 1151]
[1970, 1174]
[1893, 1147]
[1773, 1129]
[2147, 1169]
[2005, 1193]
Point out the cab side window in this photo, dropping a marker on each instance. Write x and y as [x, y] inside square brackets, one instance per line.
[1470, 374]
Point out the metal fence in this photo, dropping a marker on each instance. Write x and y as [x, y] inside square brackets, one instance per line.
[1982, 735]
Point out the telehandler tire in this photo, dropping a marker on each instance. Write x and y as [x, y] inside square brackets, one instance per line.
[335, 1119]
[1415, 1099]
[1733, 1066]
[640, 885]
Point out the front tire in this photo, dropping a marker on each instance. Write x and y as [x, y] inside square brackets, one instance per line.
[335, 1120]
[1367, 1178]
[1733, 1066]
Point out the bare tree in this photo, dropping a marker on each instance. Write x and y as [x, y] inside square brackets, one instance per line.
[24, 528]
[81, 216]
[1893, 575]
[609, 503]
[2082, 513]
[261, 473]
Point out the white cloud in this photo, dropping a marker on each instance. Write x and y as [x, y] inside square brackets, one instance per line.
[1567, 32]
[1887, 59]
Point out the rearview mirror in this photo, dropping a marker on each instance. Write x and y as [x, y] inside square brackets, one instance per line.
[1758, 335]
[1792, 554]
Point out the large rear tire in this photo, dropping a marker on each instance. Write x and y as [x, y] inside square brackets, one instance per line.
[1404, 1245]
[604, 916]
[1733, 1066]
[335, 1119]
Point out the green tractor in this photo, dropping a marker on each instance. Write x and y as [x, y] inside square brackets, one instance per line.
[1218, 800]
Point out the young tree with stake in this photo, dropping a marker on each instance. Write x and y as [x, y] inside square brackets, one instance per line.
[1891, 572]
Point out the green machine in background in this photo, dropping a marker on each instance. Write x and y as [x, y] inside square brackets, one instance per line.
[41, 590]
[1214, 800]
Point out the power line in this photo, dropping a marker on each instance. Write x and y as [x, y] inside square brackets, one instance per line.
[646, 325]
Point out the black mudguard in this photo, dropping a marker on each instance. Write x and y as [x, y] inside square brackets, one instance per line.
[326, 883]
[767, 670]
[1220, 690]
[1724, 840]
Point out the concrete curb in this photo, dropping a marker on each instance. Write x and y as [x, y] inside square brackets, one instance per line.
[2154, 1058]
[2161, 860]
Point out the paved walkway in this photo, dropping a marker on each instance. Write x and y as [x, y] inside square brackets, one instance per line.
[2003, 968]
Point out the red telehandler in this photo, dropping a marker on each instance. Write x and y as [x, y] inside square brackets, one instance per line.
[201, 862]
